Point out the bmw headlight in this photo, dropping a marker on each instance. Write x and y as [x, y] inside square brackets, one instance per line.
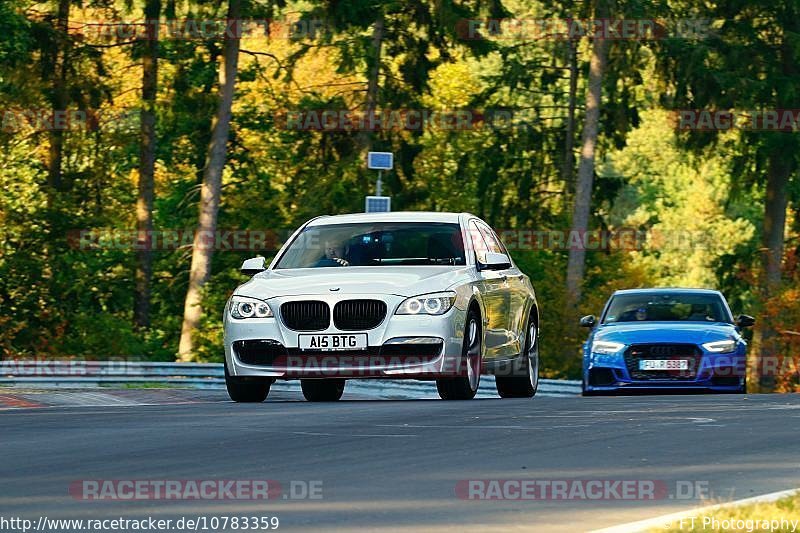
[726, 346]
[427, 304]
[606, 347]
[242, 307]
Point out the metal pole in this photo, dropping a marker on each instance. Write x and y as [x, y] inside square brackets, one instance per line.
[379, 185]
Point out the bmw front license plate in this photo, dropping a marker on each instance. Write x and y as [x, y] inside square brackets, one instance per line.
[333, 342]
[663, 364]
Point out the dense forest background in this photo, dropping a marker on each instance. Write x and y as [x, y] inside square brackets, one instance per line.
[128, 118]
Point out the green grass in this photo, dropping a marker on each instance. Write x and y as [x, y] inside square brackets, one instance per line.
[775, 517]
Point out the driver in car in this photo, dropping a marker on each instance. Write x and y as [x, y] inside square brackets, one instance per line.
[333, 256]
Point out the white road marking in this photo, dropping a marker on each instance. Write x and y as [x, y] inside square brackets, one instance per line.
[313, 434]
[448, 427]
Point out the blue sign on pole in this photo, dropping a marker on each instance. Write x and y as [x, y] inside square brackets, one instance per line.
[380, 160]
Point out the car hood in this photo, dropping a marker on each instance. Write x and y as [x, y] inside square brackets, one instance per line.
[400, 281]
[666, 332]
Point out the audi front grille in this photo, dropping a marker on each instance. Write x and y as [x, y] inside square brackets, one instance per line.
[637, 352]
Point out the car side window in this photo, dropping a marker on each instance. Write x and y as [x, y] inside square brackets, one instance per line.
[492, 240]
[478, 242]
[500, 242]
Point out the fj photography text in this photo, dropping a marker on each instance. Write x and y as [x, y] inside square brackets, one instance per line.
[748, 525]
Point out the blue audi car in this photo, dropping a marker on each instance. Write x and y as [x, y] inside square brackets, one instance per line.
[653, 339]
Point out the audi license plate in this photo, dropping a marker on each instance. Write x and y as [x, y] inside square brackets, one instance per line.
[333, 342]
[663, 364]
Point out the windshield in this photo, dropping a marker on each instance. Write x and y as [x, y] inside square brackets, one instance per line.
[375, 244]
[666, 307]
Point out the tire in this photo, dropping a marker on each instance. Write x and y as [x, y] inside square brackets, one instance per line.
[525, 384]
[322, 390]
[465, 387]
[247, 390]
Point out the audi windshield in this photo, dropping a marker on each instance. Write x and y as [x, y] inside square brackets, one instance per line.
[666, 307]
[375, 244]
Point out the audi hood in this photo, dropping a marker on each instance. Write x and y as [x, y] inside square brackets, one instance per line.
[665, 332]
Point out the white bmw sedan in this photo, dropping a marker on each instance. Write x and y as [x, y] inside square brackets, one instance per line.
[432, 296]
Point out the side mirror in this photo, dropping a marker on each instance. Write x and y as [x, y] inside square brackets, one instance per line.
[253, 266]
[588, 321]
[496, 261]
[745, 321]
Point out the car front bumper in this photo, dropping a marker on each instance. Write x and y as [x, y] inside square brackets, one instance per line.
[716, 373]
[401, 346]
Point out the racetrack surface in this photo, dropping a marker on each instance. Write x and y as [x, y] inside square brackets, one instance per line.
[393, 464]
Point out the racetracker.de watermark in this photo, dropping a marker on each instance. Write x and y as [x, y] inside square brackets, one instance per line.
[731, 366]
[580, 489]
[194, 489]
[14, 120]
[778, 120]
[574, 29]
[165, 240]
[347, 120]
[257, 240]
[198, 29]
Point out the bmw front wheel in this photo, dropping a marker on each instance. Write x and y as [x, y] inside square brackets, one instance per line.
[526, 380]
[465, 387]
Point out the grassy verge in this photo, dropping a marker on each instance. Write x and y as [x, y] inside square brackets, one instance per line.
[780, 516]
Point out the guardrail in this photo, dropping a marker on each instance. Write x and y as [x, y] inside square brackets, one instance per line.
[78, 374]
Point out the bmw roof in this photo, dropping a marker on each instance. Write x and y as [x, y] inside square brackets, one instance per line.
[398, 216]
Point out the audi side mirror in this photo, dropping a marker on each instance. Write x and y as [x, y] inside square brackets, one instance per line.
[588, 321]
[745, 321]
[253, 266]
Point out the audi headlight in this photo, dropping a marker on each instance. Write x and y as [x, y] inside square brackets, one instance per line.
[726, 346]
[606, 347]
[427, 304]
[242, 307]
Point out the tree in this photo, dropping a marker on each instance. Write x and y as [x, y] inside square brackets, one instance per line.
[747, 64]
[569, 133]
[59, 98]
[202, 250]
[147, 162]
[576, 263]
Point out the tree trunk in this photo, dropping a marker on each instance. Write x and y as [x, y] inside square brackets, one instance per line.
[147, 162]
[203, 248]
[373, 80]
[775, 204]
[779, 171]
[772, 242]
[583, 190]
[60, 97]
[569, 141]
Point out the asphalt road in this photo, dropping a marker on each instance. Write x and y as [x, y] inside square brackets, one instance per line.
[395, 465]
